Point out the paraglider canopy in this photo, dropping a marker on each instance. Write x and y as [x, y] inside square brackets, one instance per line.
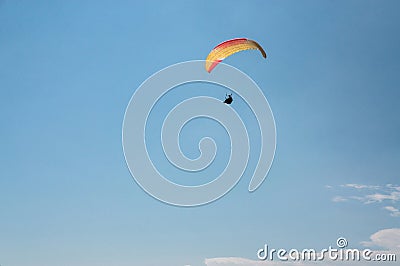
[227, 48]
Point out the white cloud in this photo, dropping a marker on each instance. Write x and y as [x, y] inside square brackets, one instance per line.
[339, 199]
[388, 239]
[357, 198]
[393, 187]
[393, 211]
[388, 193]
[360, 186]
[237, 261]
[378, 197]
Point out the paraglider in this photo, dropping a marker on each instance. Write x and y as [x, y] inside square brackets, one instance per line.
[227, 48]
[228, 99]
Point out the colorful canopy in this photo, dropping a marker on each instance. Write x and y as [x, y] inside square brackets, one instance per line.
[227, 48]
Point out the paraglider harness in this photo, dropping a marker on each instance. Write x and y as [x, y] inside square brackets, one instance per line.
[228, 99]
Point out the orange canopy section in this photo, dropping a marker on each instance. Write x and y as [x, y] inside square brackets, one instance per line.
[227, 48]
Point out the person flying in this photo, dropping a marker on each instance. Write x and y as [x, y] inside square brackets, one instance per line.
[228, 99]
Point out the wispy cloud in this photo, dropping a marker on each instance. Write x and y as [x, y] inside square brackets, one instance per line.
[361, 186]
[339, 199]
[379, 197]
[369, 194]
[393, 211]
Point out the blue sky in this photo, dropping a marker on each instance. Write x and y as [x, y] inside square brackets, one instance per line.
[69, 68]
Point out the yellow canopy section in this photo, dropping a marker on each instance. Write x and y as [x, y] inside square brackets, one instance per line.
[227, 48]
